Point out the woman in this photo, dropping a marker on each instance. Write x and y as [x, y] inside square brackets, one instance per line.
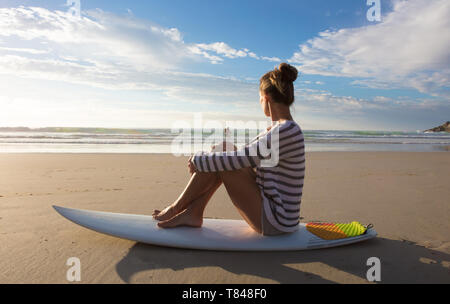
[268, 198]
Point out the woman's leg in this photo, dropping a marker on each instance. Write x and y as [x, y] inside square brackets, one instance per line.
[192, 215]
[243, 191]
[245, 195]
[199, 184]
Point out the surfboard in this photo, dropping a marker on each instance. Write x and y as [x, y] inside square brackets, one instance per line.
[215, 234]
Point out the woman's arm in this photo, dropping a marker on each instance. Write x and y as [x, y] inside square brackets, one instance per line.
[249, 155]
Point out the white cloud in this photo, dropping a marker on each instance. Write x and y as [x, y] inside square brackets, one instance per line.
[312, 82]
[107, 51]
[272, 59]
[313, 100]
[322, 110]
[24, 50]
[221, 48]
[96, 37]
[99, 36]
[198, 51]
[409, 48]
[103, 50]
[318, 100]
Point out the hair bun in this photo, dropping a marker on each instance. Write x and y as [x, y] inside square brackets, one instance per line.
[288, 72]
[279, 84]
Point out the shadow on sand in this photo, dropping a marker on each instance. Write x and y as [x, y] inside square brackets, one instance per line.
[401, 262]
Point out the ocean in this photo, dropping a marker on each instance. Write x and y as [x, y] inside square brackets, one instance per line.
[76, 140]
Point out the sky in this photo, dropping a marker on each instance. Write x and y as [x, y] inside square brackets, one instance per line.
[148, 64]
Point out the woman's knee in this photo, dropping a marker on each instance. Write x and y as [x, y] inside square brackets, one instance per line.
[234, 175]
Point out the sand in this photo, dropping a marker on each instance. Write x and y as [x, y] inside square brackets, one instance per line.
[405, 195]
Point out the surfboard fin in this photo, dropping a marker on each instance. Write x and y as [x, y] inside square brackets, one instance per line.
[336, 231]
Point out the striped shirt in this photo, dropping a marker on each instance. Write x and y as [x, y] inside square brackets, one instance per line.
[281, 182]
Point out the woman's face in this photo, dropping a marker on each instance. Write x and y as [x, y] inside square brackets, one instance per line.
[264, 100]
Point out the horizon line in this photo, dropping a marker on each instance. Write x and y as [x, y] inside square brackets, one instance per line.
[168, 128]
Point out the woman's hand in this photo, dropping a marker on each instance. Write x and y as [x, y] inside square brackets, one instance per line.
[223, 147]
[191, 166]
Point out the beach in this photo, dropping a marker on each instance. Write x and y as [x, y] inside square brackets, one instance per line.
[405, 195]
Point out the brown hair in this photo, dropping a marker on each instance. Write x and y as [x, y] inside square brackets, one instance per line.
[279, 84]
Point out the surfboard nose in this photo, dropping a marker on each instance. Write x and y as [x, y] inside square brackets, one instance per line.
[57, 208]
[61, 210]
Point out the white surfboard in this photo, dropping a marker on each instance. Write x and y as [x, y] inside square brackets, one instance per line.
[215, 234]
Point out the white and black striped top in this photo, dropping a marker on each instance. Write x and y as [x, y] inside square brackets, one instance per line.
[281, 183]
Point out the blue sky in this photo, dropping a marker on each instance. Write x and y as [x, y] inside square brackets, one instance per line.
[141, 64]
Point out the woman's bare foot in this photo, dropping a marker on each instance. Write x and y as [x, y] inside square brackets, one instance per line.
[167, 213]
[184, 218]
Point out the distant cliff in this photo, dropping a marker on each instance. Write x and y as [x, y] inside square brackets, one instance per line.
[444, 128]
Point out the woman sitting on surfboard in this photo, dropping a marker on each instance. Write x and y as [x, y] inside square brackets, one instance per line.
[267, 196]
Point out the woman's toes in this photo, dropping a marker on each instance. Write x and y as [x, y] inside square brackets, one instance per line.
[165, 224]
[167, 213]
[183, 218]
[173, 222]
